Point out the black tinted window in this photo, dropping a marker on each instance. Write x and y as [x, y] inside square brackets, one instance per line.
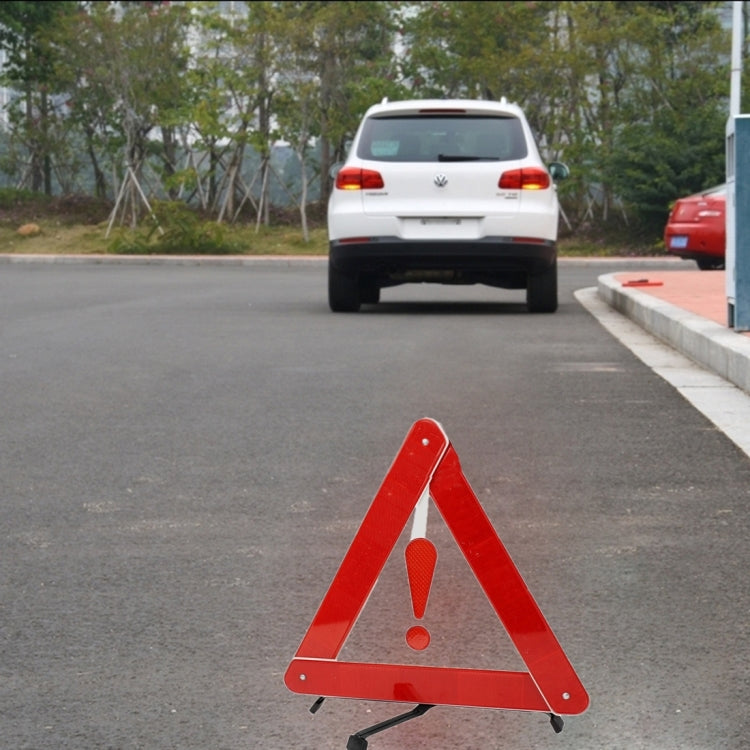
[442, 138]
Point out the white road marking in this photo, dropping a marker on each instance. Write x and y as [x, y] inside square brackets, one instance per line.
[723, 403]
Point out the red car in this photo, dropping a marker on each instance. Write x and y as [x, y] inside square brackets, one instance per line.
[696, 228]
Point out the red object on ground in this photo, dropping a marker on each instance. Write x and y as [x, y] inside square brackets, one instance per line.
[642, 282]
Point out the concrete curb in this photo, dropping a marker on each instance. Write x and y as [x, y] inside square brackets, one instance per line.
[273, 261]
[711, 345]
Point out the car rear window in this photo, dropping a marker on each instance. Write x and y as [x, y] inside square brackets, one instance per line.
[442, 138]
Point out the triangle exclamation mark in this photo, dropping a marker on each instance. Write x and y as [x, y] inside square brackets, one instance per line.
[421, 557]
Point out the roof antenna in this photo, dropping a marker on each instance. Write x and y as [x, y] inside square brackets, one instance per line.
[385, 100]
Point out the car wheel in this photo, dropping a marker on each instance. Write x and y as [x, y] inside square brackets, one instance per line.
[541, 291]
[343, 291]
[706, 264]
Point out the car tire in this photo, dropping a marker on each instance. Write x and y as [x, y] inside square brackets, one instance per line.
[706, 264]
[541, 291]
[343, 291]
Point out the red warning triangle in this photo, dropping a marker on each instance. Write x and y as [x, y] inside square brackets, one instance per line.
[427, 461]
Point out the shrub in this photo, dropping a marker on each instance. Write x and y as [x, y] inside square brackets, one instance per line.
[175, 229]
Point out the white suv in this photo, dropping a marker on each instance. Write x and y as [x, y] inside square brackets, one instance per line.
[444, 191]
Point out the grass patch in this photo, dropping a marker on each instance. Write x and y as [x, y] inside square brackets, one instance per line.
[55, 238]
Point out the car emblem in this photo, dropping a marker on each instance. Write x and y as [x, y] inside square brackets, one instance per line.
[440, 180]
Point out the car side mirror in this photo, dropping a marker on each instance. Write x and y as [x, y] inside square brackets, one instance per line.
[558, 170]
[334, 170]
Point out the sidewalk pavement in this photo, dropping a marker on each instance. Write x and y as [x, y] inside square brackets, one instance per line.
[688, 310]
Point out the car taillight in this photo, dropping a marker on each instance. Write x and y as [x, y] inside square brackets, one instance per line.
[354, 178]
[530, 178]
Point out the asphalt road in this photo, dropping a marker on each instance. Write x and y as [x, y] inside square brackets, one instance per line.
[187, 452]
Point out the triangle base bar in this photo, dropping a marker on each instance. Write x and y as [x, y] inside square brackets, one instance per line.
[416, 684]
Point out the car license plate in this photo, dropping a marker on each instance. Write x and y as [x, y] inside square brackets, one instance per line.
[679, 242]
[440, 227]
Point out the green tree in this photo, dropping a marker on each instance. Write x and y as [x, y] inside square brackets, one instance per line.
[349, 49]
[123, 68]
[208, 132]
[29, 70]
[591, 43]
[670, 137]
[236, 66]
[476, 49]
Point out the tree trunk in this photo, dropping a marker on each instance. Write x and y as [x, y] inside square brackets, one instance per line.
[303, 195]
[100, 181]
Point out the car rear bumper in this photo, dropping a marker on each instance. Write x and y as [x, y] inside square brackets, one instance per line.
[492, 260]
[686, 241]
